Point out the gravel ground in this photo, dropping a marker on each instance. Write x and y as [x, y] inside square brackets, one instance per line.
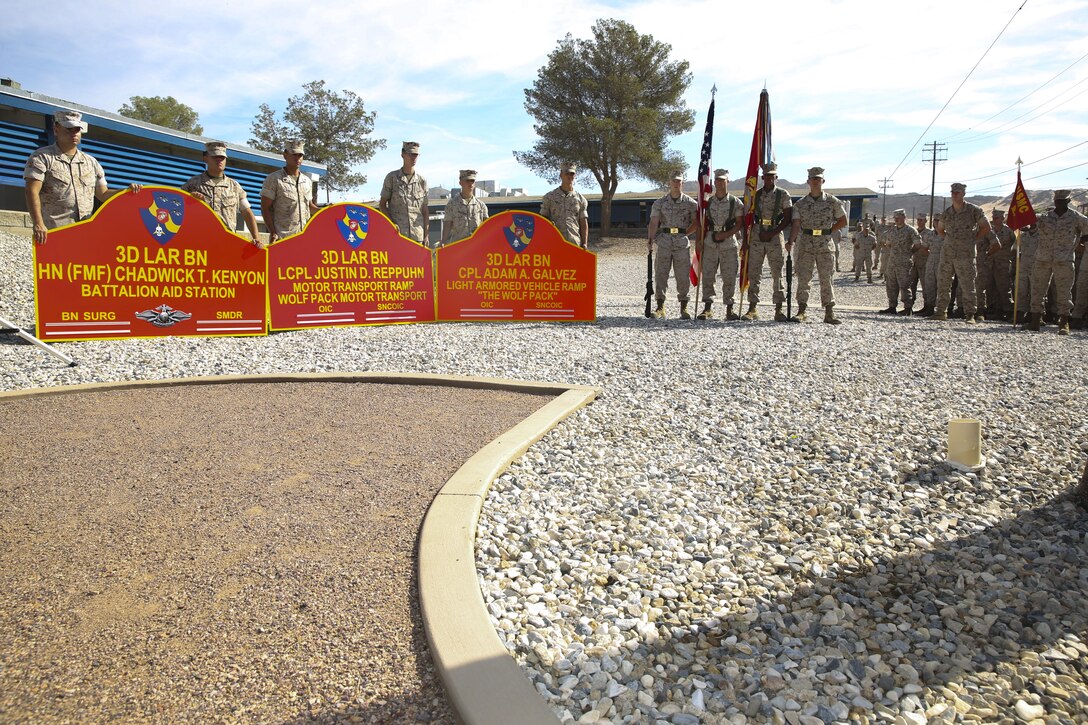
[228, 553]
[754, 522]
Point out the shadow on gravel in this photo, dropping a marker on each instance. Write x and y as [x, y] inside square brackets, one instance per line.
[1009, 599]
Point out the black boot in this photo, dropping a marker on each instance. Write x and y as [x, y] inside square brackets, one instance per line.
[729, 314]
[889, 310]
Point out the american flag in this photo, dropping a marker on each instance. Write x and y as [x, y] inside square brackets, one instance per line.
[706, 190]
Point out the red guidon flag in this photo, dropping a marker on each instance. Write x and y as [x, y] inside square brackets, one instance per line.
[1021, 214]
[762, 153]
[706, 189]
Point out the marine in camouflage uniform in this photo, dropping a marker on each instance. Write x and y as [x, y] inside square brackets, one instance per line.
[287, 196]
[932, 242]
[962, 224]
[726, 214]
[902, 240]
[224, 195]
[1029, 245]
[864, 244]
[404, 197]
[62, 182]
[815, 217]
[883, 248]
[567, 209]
[996, 255]
[671, 220]
[918, 258]
[772, 209]
[1061, 231]
[464, 211]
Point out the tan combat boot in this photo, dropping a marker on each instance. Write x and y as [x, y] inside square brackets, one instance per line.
[1063, 325]
[751, 314]
[659, 311]
[779, 315]
[684, 311]
[801, 316]
[829, 316]
[706, 314]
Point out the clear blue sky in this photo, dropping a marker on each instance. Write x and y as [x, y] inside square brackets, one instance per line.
[853, 84]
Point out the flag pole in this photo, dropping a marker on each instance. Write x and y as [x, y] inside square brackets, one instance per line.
[1016, 275]
[695, 273]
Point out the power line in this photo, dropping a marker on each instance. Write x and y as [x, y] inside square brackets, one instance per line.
[973, 68]
[1002, 128]
[1015, 103]
[999, 173]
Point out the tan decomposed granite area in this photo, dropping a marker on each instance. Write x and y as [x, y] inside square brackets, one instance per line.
[230, 552]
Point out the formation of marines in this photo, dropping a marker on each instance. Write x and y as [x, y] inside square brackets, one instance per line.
[963, 256]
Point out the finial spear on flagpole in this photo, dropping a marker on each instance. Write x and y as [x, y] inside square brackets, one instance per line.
[713, 90]
[1019, 163]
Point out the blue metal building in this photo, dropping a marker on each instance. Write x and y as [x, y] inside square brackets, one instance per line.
[130, 151]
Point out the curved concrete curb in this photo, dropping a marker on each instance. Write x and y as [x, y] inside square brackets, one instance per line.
[453, 381]
[484, 683]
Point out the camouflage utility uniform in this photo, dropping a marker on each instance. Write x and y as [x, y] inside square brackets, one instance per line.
[902, 242]
[995, 270]
[465, 216]
[68, 184]
[864, 243]
[290, 197]
[726, 215]
[769, 208]
[958, 255]
[224, 195]
[676, 216]
[564, 210]
[1058, 239]
[406, 196]
[930, 238]
[817, 215]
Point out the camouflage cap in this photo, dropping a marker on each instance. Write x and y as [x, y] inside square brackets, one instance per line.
[816, 172]
[721, 174]
[215, 148]
[959, 187]
[409, 147]
[568, 167]
[1062, 194]
[677, 176]
[770, 169]
[921, 215]
[294, 146]
[70, 119]
[900, 212]
[998, 214]
[467, 174]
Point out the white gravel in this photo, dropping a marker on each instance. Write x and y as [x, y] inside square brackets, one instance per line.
[753, 523]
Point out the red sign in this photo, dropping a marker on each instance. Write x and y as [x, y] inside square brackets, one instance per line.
[349, 266]
[153, 264]
[516, 266]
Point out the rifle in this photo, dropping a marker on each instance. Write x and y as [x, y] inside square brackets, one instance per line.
[649, 281]
[789, 287]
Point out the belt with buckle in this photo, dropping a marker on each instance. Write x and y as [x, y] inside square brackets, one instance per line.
[671, 230]
[816, 232]
[766, 223]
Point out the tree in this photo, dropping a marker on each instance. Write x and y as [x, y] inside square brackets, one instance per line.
[168, 111]
[335, 127]
[609, 104]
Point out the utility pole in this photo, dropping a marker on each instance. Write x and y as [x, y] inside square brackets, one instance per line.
[885, 184]
[934, 149]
